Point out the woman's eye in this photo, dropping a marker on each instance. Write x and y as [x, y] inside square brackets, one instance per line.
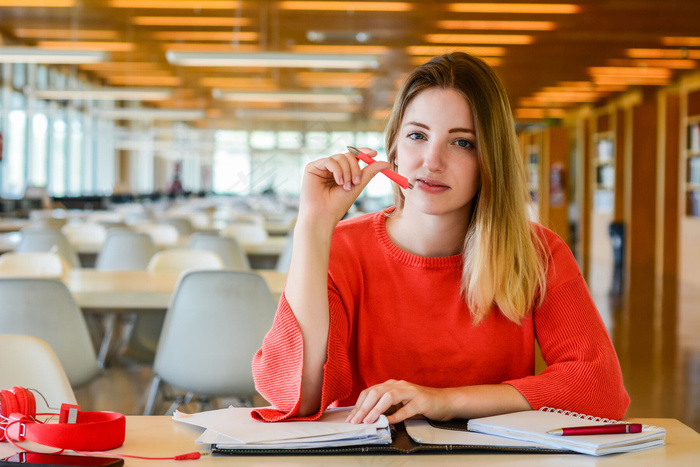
[416, 136]
[465, 143]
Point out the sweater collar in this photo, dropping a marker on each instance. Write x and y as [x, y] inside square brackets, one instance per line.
[416, 261]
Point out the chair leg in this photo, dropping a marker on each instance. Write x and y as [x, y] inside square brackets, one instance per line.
[152, 395]
[109, 324]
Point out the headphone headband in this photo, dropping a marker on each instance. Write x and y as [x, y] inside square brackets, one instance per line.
[76, 430]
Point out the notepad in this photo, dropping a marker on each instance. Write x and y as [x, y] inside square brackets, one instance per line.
[234, 429]
[533, 426]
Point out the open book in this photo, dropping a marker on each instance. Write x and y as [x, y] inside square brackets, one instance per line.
[233, 431]
[533, 426]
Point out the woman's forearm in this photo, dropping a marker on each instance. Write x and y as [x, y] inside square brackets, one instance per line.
[306, 292]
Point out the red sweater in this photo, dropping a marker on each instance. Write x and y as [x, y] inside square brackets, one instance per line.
[394, 315]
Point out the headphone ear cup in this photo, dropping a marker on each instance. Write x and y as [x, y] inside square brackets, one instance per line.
[8, 406]
[26, 404]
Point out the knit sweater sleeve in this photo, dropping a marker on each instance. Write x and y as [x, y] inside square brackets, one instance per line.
[583, 373]
[277, 366]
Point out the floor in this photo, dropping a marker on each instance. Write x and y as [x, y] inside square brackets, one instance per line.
[654, 325]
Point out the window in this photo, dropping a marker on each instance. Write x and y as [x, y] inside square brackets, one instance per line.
[57, 177]
[75, 156]
[16, 142]
[39, 154]
[231, 168]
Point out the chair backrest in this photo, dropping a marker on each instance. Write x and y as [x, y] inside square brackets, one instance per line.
[46, 240]
[228, 248]
[179, 260]
[215, 323]
[45, 308]
[183, 225]
[52, 223]
[125, 251]
[285, 258]
[90, 234]
[246, 233]
[31, 363]
[32, 264]
[162, 234]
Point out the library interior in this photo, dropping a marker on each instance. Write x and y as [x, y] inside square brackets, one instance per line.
[144, 139]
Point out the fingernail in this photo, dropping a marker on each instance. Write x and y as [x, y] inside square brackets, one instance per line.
[357, 180]
[348, 186]
[340, 181]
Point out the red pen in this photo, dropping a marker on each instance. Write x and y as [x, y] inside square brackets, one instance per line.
[399, 179]
[598, 430]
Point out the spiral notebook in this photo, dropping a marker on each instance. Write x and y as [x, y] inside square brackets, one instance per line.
[533, 426]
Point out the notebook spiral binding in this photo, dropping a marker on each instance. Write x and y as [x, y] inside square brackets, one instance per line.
[589, 417]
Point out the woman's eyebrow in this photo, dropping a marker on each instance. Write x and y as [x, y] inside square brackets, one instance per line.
[452, 130]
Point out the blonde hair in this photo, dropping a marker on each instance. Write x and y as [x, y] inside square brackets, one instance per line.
[504, 261]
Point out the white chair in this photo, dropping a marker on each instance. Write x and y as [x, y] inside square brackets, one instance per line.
[285, 257]
[45, 308]
[246, 233]
[85, 234]
[52, 223]
[162, 234]
[146, 329]
[228, 248]
[32, 264]
[183, 225]
[46, 240]
[178, 260]
[215, 323]
[125, 251]
[31, 363]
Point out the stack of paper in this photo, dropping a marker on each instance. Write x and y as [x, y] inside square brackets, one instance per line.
[234, 428]
[533, 426]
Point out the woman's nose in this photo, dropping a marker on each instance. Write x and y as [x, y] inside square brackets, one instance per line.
[434, 158]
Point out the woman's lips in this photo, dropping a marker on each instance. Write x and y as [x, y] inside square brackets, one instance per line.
[431, 186]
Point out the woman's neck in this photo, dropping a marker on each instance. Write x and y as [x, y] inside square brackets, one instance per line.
[427, 235]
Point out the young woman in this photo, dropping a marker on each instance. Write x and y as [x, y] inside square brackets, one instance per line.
[433, 307]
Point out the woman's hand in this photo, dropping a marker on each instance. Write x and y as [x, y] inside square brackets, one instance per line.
[411, 399]
[333, 183]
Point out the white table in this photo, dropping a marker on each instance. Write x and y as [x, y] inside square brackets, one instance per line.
[130, 290]
[162, 436]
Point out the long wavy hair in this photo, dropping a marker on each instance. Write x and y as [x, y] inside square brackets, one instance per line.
[504, 261]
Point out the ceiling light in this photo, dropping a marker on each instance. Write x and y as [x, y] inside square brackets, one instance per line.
[87, 45]
[479, 39]
[233, 82]
[418, 60]
[150, 80]
[211, 48]
[663, 53]
[177, 4]
[189, 21]
[435, 50]
[341, 49]
[271, 59]
[326, 79]
[35, 55]
[539, 8]
[291, 115]
[100, 34]
[677, 64]
[345, 6]
[116, 94]
[150, 114]
[681, 41]
[38, 3]
[498, 25]
[292, 97]
[206, 35]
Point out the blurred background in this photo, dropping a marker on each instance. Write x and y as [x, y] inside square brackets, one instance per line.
[211, 106]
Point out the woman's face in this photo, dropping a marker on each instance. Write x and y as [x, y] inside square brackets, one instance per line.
[437, 151]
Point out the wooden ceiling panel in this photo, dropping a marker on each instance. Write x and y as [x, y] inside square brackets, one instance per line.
[560, 48]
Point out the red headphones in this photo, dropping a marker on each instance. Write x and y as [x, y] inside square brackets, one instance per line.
[75, 430]
[83, 432]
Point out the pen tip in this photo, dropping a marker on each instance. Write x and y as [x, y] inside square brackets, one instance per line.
[410, 186]
[354, 151]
